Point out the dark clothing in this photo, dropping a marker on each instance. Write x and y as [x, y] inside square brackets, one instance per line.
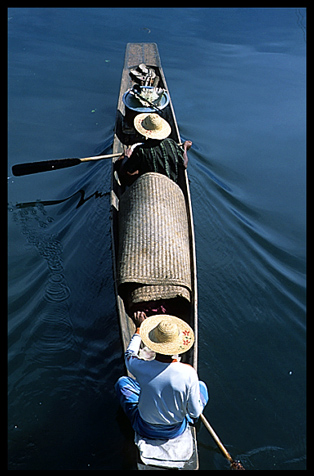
[164, 157]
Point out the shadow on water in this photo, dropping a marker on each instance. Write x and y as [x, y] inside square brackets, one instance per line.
[80, 194]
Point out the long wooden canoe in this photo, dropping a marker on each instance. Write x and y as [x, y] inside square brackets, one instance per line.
[125, 134]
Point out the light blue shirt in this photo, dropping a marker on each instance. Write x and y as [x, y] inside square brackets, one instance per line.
[169, 391]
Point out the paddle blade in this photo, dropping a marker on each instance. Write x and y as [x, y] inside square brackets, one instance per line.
[36, 167]
[236, 465]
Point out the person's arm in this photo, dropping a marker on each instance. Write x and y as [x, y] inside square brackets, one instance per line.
[187, 145]
[124, 174]
[195, 406]
[135, 342]
[125, 157]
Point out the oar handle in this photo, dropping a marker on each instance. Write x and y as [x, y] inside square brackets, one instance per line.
[234, 464]
[216, 438]
[46, 165]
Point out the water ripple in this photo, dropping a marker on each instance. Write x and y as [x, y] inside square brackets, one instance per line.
[57, 289]
[51, 332]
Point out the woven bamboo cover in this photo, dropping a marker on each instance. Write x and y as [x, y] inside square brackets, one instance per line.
[154, 247]
[156, 292]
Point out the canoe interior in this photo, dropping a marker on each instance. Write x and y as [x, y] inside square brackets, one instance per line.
[125, 134]
[147, 53]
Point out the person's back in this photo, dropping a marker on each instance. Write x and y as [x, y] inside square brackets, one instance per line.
[157, 154]
[169, 391]
[164, 157]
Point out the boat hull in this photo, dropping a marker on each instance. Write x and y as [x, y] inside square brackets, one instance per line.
[125, 134]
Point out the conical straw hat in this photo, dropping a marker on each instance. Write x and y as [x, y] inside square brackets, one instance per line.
[166, 334]
[152, 126]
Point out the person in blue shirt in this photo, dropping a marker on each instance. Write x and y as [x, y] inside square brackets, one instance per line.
[166, 394]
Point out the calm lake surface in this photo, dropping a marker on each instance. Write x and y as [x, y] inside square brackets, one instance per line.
[237, 78]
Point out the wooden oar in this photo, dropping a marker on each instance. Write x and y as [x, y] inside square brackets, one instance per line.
[45, 165]
[233, 463]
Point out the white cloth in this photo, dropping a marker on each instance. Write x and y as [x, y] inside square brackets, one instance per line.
[169, 391]
[166, 453]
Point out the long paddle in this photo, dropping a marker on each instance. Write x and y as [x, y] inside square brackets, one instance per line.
[233, 463]
[45, 165]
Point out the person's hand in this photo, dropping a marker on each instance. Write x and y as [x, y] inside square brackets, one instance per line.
[139, 317]
[128, 152]
[187, 144]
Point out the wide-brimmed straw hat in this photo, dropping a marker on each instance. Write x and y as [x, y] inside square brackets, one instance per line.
[152, 126]
[167, 335]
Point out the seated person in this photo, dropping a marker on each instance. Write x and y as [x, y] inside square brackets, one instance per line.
[165, 394]
[156, 154]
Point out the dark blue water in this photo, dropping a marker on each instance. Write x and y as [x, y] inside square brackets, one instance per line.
[237, 80]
